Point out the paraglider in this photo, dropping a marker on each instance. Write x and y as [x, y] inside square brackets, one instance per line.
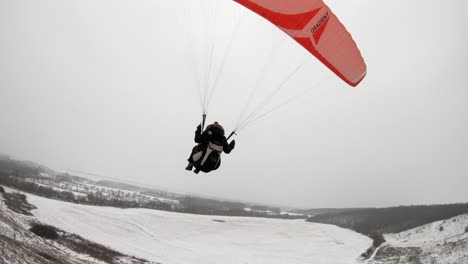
[206, 156]
[315, 27]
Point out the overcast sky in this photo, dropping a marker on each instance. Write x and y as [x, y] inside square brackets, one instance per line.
[111, 88]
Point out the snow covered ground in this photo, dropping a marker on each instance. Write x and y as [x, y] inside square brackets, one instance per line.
[439, 232]
[441, 242]
[18, 245]
[175, 238]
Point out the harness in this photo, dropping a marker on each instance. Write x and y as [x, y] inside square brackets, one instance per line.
[211, 147]
[201, 157]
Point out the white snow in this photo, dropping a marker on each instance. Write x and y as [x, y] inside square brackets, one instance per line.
[19, 245]
[293, 214]
[42, 174]
[449, 230]
[175, 238]
[441, 242]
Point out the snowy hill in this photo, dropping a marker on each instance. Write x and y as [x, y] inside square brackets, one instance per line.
[176, 238]
[441, 242]
[18, 244]
[167, 237]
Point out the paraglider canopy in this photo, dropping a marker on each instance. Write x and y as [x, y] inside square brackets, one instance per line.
[313, 25]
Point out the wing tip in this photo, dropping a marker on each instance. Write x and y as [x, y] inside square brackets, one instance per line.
[359, 80]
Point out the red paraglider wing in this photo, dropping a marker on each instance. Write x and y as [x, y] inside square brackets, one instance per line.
[312, 24]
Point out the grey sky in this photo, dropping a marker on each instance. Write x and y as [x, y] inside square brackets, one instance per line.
[110, 87]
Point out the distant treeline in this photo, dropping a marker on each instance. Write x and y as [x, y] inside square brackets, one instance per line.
[318, 211]
[391, 220]
[197, 205]
[192, 205]
[21, 176]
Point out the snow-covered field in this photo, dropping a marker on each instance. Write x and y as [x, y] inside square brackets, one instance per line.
[175, 238]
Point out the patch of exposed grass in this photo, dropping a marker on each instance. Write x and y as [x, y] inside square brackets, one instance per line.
[17, 203]
[83, 246]
[45, 231]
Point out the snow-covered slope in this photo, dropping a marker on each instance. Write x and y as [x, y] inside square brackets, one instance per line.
[441, 242]
[174, 238]
[19, 245]
[439, 232]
